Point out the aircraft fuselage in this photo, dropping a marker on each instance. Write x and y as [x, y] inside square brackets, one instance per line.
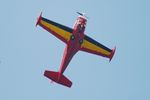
[74, 44]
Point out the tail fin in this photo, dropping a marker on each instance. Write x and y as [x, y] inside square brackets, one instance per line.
[58, 78]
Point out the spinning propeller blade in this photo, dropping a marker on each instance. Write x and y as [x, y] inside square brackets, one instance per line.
[82, 14]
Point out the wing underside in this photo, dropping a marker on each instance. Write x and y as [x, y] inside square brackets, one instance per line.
[91, 46]
[60, 31]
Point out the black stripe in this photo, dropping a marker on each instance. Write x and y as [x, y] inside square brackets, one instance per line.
[58, 25]
[96, 43]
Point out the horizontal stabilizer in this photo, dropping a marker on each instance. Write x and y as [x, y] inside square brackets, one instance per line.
[58, 78]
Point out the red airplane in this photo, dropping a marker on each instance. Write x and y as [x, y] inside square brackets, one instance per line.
[75, 40]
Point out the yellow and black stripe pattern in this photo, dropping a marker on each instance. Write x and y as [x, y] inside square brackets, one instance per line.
[94, 47]
[60, 31]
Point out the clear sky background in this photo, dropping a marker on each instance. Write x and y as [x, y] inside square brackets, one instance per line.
[26, 51]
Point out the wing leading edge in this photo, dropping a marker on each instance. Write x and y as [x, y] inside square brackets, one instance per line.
[91, 46]
[60, 31]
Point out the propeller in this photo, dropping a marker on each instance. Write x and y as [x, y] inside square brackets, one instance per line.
[82, 14]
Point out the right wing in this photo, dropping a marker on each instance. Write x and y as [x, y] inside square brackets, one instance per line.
[60, 31]
[91, 46]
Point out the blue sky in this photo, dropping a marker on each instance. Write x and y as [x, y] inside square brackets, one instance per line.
[26, 51]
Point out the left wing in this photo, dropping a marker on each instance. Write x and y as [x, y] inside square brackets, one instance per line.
[60, 31]
[91, 46]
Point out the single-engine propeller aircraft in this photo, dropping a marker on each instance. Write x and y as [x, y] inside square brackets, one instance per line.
[75, 41]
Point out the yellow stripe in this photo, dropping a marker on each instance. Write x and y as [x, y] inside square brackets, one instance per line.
[90, 46]
[66, 35]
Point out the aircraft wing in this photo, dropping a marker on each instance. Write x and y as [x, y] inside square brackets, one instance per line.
[60, 31]
[91, 46]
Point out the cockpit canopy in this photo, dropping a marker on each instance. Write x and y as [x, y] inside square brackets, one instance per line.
[82, 20]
